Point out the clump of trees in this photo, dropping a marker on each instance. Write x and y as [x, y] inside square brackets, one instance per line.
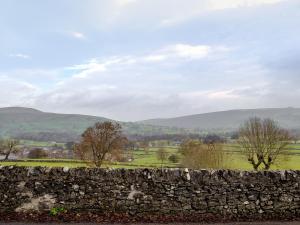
[178, 137]
[8, 147]
[213, 139]
[174, 158]
[100, 142]
[197, 155]
[70, 145]
[37, 153]
[263, 141]
[47, 136]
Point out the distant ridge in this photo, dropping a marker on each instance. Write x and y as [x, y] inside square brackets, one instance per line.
[32, 124]
[19, 110]
[231, 119]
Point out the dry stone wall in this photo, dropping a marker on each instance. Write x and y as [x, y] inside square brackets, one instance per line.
[141, 191]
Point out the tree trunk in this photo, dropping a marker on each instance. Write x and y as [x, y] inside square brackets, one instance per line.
[98, 164]
[255, 165]
[268, 163]
[6, 156]
[267, 166]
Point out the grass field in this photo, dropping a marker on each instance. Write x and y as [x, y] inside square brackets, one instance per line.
[236, 160]
[233, 160]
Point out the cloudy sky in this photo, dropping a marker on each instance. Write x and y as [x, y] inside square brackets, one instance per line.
[138, 59]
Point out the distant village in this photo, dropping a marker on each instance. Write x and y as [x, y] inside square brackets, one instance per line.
[53, 150]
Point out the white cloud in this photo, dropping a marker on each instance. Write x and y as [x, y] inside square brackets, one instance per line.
[231, 4]
[172, 54]
[97, 65]
[16, 92]
[20, 55]
[33, 75]
[78, 35]
[89, 67]
[111, 86]
[154, 14]
[228, 94]
[134, 93]
[189, 51]
[155, 58]
[184, 51]
[151, 14]
[115, 101]
[197, 8]
[123, 3]
[210, 95]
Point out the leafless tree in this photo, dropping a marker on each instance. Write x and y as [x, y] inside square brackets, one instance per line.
[100, 142]
[162, 155]
[262, 141]
[295, 139]
[145, 146]
[295, 135]
[197, 155]
[8, 146]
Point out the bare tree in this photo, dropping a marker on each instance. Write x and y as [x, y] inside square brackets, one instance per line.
[162, 155]
[262, 141]
[8, 146]
[145, 146]
[295, 139]
[100, 141]
[197, 155]
[215, 155]
[295, 136]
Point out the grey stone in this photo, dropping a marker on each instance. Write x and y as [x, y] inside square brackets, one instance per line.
[150, 190]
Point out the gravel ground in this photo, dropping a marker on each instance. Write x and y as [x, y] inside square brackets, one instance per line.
[236, 223]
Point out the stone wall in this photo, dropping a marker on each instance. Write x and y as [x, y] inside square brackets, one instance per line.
[140, 191]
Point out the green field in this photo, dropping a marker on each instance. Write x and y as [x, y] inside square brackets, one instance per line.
[238, 161]
[141, 159]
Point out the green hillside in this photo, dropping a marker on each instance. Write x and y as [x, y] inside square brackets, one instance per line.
[19, 121]
[230, 120]
[27, 123]
[32, 124]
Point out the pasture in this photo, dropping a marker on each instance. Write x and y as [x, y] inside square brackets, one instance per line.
[233, 159]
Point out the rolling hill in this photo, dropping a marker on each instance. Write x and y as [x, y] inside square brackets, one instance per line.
[230, 120]
[17, 121]
[28, 123]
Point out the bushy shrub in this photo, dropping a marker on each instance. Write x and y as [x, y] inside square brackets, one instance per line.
[174, 158]
[37, 153]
